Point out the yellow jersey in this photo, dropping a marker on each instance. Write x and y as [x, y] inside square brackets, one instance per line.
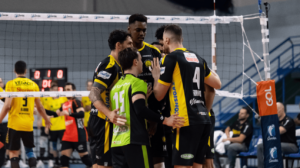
[58, 123]
[20, 116]
[86, 102]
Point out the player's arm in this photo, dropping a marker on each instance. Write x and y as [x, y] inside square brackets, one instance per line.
[209, 96]
[287, 125]
[246, 131]
[227, 132]
[211, 78]
[162, 76]
[105, 79]
[42, 112]
[79, 110]
[5, 109]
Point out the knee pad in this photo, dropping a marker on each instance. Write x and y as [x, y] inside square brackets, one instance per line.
[54, 146]
[32, 162]
[29, 153]
[64, 161]
[43, 142]
[86, 159]
[14, 162]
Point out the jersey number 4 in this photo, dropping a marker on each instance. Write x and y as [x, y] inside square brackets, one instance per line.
[119, 98]
[196, 78]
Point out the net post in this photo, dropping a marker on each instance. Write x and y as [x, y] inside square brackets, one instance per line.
[213, 43]
[265, 43]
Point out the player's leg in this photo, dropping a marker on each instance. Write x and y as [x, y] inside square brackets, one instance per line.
[81, 148]
[168, 159]
[28, 141]
[202, 147]
[118, 157]
[66, 151]
[158, 147]
[209, 155]
[138, 156]
[43, 142]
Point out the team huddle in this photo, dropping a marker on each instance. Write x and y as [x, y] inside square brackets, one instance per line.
[150, 107]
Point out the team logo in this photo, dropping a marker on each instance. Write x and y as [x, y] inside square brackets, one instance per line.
[187, 156]
[273, 154]
[147, 63]
[271, 132]
[191, 57]
[104, 75]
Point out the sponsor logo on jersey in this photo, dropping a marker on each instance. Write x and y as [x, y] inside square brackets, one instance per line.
[271, 132]
[202, 113]
[197, 93]
[187, 156]
[162, 70]
[117, 142]
[195, 101]
[23, 83]
[191, 57]
[176, 108]
[273, 155]
[104, 75]
[69, 122]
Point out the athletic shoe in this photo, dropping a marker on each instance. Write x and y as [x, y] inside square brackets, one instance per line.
[22, 164]
[40, 164]
[7, 164]
[50, 163]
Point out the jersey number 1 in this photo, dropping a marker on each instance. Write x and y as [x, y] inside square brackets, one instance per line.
[116, 98]
[196, 78]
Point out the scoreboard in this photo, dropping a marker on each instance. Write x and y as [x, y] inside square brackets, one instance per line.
[44, 76]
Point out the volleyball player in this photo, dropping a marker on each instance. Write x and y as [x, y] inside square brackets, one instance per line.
[20, 117]
[137, 28]
[183, 74]
[87, 104]
[130, 143]
[106, 75]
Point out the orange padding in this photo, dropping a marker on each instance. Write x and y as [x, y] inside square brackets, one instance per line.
[266, 98]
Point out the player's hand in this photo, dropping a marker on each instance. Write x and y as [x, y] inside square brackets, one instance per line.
[155, 68]
[115, 118]
[174, 121]
[149, 91]
[152, 129]
[47, 124]
[224, 140]
[64, 113]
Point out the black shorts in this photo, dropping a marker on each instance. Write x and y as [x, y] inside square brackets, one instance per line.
[189, 144]
[132, 156]
[43, 133]
[158, 142]
[80, 147]
[13, 139]
[100, 135]
[168, 159]
[210, 152]
[56, 135]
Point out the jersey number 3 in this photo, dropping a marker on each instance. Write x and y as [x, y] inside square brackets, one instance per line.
[196, 78]
[25, 103]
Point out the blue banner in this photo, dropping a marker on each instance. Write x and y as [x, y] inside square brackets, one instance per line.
[271, 141]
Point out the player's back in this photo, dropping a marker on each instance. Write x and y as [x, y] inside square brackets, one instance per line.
[21, 113]
[187, 87]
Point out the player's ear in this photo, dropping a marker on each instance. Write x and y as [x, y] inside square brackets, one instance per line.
[25, 71]
[128, 29]
[118, 45]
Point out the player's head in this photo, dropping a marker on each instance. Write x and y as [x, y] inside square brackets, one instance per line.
[137, 27]
[172, 35]
[1, 83]
[119, 40]
[159, 34]
[158, 45]
[89, 84]
[54, 86]
[244, 113]
[70, 86]
[20, 68]
[130, 59]
[280, 110]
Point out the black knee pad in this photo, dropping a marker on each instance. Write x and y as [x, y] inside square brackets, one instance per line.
[64, 161]
[32, 162]
[14, 162]
[86, 159]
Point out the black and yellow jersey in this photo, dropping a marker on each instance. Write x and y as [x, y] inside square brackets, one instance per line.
[148, 52]
[20, 116]
[58, 123]
[86, 102]
[107, 73]
[185, 72]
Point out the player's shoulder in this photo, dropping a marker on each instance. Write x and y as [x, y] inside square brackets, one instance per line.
[151, 47]
[106, 63]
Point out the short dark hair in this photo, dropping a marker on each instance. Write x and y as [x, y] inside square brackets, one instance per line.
[72, 84]
[117, 36]
[160, 32]
[176, 31]
[54, 83]
[20, 67]
[126, 57]
[137, 17]
[248, 110]
[156, 43]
